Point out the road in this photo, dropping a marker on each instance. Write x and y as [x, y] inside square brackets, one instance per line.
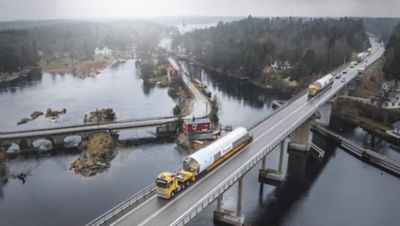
[156, 211]
[201, 105]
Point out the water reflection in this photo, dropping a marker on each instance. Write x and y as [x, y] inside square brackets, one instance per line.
[235, 88]
[32, 80]
[302, 171]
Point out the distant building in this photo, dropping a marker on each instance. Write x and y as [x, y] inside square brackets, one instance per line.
[395, 132]
[279, 65]
[105, 51]
[196, 125]
[388, 96]
[396, 127]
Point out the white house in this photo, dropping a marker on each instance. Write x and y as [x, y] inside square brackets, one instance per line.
[105, 51]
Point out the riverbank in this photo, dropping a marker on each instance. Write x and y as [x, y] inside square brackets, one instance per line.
[373, 119]
[81, 69]
[275, 84]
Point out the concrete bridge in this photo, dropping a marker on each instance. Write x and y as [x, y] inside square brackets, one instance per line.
[287, 127]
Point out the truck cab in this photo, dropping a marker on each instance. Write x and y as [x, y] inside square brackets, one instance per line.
[313, 90]
[168, 184]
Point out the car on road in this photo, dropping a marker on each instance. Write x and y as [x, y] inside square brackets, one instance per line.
[343, 79]
[338, 75]
[344, 72]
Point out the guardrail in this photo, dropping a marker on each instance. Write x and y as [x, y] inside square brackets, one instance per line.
[123, 206]
[229, 181]
[120, 208]
[291, 100]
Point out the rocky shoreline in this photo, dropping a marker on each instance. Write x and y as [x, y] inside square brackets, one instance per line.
[100, 116]
[97, 153]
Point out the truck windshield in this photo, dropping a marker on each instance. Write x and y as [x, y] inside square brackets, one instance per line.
[161, 183]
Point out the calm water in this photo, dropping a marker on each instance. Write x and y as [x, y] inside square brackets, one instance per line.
[339, 191]
[119, 88]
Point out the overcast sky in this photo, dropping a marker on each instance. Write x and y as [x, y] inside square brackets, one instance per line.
[89, 9]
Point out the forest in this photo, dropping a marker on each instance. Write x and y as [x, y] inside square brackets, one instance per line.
[381, 27]
[20, 48]
[312, 46]
[392, 55]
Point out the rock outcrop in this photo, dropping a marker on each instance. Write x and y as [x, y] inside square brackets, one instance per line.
[98, 151]
[100, 116]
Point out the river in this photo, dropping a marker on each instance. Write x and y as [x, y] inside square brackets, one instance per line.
[338, 191]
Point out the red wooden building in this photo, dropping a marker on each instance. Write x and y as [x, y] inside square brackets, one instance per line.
[194, 125]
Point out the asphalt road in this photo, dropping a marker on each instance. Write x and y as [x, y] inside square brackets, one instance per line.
[201, 106]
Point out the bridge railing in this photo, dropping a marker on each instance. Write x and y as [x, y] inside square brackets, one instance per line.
[111, 215]
[235, 176]
[291, 100]
[87, 125]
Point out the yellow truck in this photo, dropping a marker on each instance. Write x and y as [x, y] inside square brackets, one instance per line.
[320, 85]
[353, 64]
[168, 184]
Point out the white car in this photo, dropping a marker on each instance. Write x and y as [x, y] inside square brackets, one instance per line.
[343, 79]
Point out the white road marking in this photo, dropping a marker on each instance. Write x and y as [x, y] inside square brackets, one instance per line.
[139, 206]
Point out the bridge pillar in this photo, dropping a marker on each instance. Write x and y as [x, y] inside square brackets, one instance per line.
[300, 137]
[324, 114]
[219, 202]
[272, 176]
[230, 217]
[239, 198]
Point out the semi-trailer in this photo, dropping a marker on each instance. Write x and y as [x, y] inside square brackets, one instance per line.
[168, 184]
[362, 56]
[320, 85]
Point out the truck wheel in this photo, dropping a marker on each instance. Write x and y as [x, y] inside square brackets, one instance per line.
[183, 186]
[172, 194]
[188, 183]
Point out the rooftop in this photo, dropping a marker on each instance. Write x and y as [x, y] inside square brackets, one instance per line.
[396, 125]
[197, 120]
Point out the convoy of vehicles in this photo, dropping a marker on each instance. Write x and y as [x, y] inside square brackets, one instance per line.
[202, 161]
[362, 56]
[320, 85]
